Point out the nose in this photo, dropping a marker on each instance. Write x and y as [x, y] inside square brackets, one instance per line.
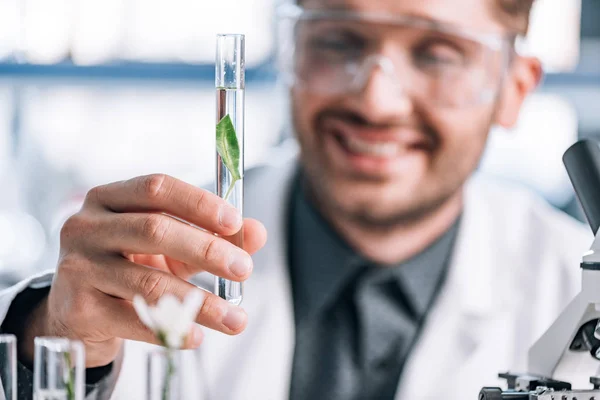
[380, 89]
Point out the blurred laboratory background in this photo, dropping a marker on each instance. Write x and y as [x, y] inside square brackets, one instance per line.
[97, 91]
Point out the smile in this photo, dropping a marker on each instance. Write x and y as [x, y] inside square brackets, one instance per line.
[382, 149]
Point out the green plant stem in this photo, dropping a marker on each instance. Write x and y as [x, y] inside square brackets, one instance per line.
[168, 376]
[70, 382]
[233, 182]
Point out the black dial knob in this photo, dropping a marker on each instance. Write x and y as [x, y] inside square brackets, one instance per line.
[490, 393]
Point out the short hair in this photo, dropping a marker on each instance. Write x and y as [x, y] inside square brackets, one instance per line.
[514, 14]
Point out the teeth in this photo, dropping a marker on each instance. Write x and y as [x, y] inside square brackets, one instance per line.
[379, 149]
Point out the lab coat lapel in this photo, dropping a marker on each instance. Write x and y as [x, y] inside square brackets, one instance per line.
[232, 364]
[459, 320]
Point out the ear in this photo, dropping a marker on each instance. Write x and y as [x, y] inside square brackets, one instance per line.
[523, 77]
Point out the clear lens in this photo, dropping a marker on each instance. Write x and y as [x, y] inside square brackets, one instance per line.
[332, 54]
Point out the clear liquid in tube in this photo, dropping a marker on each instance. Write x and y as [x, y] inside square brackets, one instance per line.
[231, 101]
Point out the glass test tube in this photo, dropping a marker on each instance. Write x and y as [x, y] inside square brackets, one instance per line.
[8, 367]
[229, 82]
[59, 369]
[165, 371]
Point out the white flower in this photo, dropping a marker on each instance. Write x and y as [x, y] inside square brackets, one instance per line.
[170, 320]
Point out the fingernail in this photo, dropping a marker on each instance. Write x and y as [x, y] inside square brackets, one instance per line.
[241, 265]
[230, 218]
[196, 336]
[234, 318]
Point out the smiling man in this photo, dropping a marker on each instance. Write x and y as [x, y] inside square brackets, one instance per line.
[391, 271]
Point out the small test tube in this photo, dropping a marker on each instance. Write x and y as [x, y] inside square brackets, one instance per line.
[8, 367]
[59, 369]
[230, 85]
[164, 379]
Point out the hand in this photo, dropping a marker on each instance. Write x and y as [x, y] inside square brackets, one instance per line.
[121, 244]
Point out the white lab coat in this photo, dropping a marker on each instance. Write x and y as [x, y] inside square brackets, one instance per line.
[515, 266]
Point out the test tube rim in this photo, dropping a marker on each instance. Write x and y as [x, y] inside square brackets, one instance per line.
[58, 344]
[236, 35]
[7, 338]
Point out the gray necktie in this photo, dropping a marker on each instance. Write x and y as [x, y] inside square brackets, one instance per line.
[356, 347]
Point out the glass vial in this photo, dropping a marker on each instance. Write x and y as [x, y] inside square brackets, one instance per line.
[230, 85]
[8, 367]
[59, 369]
[165, 375]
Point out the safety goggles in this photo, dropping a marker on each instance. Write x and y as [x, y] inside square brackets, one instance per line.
[338, 51]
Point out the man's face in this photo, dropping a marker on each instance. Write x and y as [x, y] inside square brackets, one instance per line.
[382, 156]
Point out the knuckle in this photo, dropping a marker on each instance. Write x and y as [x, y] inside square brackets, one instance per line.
[153, 286]
[94, 195]
[155, 228]
[211, 309]
[73, 227]
[211, 251]
[153, 186]
[201, 200]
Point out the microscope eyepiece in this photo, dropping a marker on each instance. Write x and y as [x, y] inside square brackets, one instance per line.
[582, 161]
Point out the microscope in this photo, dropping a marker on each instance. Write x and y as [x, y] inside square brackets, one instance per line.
[564, 364]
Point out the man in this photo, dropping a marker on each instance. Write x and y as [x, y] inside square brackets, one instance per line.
[390, 272]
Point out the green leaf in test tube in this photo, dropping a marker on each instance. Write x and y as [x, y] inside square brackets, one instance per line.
[229, 149]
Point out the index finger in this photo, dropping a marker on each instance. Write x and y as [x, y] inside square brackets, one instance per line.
[163, 193]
